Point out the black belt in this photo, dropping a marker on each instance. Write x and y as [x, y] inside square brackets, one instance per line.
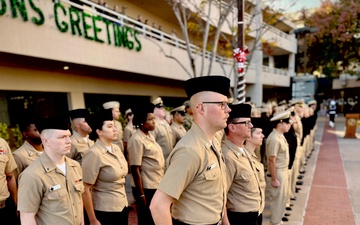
[178, 222]
[268, 175]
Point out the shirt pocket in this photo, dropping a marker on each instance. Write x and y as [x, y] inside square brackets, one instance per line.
[3, 161]
[248, 179]
[212, 174]
[58, 200]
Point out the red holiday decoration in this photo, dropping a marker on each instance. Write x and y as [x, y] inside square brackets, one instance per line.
[240, 55]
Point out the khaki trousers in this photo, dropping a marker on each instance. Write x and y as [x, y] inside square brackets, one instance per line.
[278, 196]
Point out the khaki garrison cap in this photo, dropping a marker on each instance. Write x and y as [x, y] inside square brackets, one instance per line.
[158, 102]
[187, 103]
[283, 102]
[281, 117]
[128, 111]
[177, 109]
[111, 104]
[296, 102]
[312, 102]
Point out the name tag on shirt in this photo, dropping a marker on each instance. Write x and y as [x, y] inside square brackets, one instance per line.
[56, 187]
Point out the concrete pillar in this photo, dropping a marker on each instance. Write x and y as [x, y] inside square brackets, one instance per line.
[292, 64]
[271, 62]
[76, 100]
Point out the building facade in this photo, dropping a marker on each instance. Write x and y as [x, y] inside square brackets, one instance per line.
[60, 55]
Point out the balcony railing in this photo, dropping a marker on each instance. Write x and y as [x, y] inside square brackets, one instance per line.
[158, 35]
[148, 31]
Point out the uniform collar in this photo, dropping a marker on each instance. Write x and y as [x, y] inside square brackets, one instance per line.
[49, 165]
[235, 149]
[103, 148]
[201, 135]
[30, 149]
[78, 137]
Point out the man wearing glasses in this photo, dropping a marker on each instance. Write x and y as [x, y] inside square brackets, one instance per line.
[277, 151]
[244, 193]
[194, 184]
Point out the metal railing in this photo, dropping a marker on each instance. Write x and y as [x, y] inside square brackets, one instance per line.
[144, 29]
[148, 31]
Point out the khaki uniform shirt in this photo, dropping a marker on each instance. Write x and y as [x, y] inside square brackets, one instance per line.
[145, 152]
[244, 193]
[129, 130]
[106, 171]
[261, 176]
[24, 156]
[7, 165]
[79, 147]
[119, 132]
[196, 178]
[163, 136]
[56, 198]
[188, 122]
[178, 132]
[276, 145]
[299, 130]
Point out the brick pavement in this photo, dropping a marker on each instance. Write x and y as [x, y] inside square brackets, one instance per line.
[329, 200]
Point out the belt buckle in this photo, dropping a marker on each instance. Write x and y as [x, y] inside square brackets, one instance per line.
[219, 223]
[2, 205]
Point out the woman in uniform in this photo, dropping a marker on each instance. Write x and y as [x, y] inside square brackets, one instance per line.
[104, 170]
[255, 141]
[146, 161]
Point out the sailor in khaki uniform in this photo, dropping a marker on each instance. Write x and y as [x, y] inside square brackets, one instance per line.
[194, 185]
[115, 106]
[8, 191]
[255, 141]
[80, 141]
[129, 129]
[51, 187]
[177, 127]
[162, 133]
[244, 198]
[188, 115]
[146, 161]
[277, 150]
[32, 147]
[105, 168]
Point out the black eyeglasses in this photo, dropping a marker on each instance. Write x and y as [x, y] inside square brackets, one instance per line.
[246, 123]
[222, 105]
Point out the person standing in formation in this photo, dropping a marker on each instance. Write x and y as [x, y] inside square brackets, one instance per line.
[32, 147]
[146, 161]
[162, 132]
[51, 187]
[244, 198]
[188, 115]
[80, 141]
[177, 127]
[104, 168]
[115, 107]
[277, 151]
[8, 190]
[193, 190]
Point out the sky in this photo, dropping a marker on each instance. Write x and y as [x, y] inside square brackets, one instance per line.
[288, 6]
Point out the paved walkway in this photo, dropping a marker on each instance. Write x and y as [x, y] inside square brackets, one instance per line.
[330, 193]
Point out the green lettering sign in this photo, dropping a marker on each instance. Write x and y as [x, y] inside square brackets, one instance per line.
[3, 7]
[63, 26]
[80, 23]
[37, 21]
[15, 4]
